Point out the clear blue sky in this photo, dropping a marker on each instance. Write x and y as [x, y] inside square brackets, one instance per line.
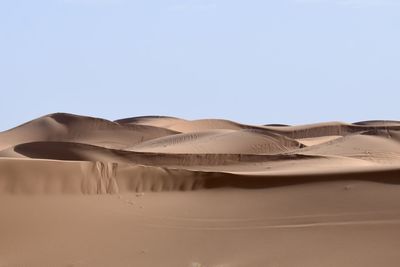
[282, 61]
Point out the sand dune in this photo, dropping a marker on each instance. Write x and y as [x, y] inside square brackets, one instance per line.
[29, 176]
[329, 129]
[220, 141]
[378, 123]
[157, 121]
[356, 145]
[183, 126]
[206, 124]
[73, 128]
[254, 150]
[84, 152]
[165, 191]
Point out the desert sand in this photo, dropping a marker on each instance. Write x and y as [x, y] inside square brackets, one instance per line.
[164, 191]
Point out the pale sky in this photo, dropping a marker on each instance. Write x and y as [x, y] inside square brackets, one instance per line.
[283, 61]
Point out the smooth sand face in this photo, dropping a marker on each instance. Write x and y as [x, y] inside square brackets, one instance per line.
[162, 191]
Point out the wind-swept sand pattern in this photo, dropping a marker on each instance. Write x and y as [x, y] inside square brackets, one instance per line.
[165, 191]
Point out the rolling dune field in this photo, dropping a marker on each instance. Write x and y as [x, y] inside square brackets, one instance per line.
[164, 191]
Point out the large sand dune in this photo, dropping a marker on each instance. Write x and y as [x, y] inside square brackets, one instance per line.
[72, 128]
[165, 191]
